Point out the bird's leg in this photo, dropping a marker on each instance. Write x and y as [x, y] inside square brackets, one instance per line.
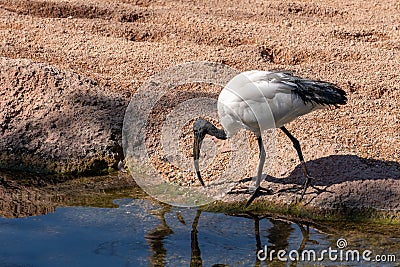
[259, 171]
[261, 162]
[296, 145]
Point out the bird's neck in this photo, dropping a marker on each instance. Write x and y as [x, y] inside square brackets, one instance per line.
[214, 131]
[206, 127]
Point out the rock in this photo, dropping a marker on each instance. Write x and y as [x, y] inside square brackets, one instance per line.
[54, 121]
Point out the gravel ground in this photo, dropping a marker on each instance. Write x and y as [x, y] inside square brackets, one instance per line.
[118, 45]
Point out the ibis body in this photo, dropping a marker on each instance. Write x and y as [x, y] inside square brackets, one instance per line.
[260, 100]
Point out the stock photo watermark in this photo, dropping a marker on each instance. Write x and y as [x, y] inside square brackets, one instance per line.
[338, 254]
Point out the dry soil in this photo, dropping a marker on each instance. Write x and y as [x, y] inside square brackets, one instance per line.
[119, 44]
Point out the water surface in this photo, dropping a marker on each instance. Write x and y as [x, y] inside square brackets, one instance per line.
[138, 231]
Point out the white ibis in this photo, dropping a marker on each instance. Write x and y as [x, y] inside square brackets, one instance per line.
[260, 100]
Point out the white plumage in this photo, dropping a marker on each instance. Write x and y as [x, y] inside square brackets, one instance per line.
[260, 100]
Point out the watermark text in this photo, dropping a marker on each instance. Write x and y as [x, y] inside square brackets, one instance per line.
[330, 254]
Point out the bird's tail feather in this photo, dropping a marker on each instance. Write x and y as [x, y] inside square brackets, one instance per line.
[319, 92]
[315, 91]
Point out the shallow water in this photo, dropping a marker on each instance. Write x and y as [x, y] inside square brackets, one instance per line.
[138, 231]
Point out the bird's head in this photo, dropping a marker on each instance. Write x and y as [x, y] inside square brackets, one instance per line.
[199, 131]
[202, 127]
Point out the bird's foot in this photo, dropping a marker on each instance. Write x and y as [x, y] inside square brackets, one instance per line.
[240, 190]
[250, 190]
[294, 189]
[308, 176]
[303, 188]
[256, 193]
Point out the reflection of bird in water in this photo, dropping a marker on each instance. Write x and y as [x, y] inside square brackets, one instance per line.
[180, 218]
[278, 235]
[156, 237]
[260, 100]
[195, 259]
[256, 218]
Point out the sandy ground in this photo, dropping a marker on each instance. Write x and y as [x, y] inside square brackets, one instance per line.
[354, 150]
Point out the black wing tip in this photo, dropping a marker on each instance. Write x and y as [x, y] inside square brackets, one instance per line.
[320, 92]
[314, 91]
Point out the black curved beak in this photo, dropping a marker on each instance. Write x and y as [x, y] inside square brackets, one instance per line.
[198, 139]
